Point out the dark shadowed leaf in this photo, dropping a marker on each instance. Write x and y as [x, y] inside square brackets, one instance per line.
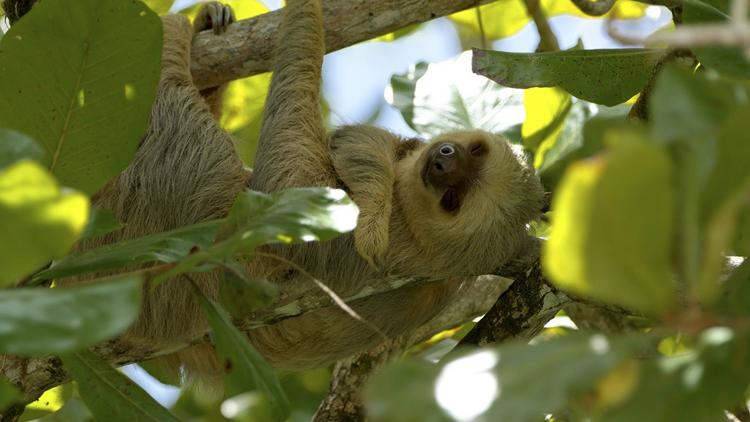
[514, 382]
[110, 395]
[691, 107]
[240, 295]
[39, 221]
[613, 227]
[8, 394]
[166, 247]
[101, 222]
[79, 78]
[697, 385]
[15, 146]
[606, 77]
[39, 321]
[723, 198]
[247, 370]
[727, 60]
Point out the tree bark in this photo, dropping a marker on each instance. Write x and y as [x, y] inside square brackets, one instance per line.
[247, 48]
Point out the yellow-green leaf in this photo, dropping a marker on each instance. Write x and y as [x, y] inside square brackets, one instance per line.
[611, 237]
[39, 221]
[546, 109]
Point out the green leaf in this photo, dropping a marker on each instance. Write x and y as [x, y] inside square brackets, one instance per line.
[247, 370]
[110, 395]
[575, 144]
[448, 97]
[514, 382]
[102, 221]
[38, 321]
[613, 226]
[240, 295]
[34, 208]
[404, 88]
[722, 199]
[290, 216]
[506, 17]
[15, 146]
[8, 394]
[699, 103]
[72, 411]
[606, 77]
[693, 386]
[730, 61]
[165, 247]
[546, 110]
[79, 77]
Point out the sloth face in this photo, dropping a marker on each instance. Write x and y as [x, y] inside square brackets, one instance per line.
[474, 168]
[450, 168]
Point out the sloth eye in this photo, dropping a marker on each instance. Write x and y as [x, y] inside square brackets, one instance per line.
[447, 150]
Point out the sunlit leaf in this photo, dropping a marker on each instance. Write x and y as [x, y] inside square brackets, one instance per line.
[514, 382]
[506, 17]
[243, 112]
[247, 370]
[79, 78]
[161, 7]
[39, 221]
[101, 222]
[448, 97]
[110, 395]
[290, 216]
[165, 247]
[72, 411]
[15, 146]
[546, 110]
[38, 321]
[606, 77]
[611, 237]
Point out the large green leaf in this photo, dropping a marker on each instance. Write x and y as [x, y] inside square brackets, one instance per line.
[515, 382]
[613, 226]
[15, 146]
[247, 370]
[448, 97]
[290, 216]
[38, 321]
[79, 77]
[606, 77]
[693, 386]
[723, 197]
[39, 221]
[110, 395]
[166, 247]
[691, 107]
[731, 61]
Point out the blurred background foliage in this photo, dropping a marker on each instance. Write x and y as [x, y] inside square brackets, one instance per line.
[646, 214]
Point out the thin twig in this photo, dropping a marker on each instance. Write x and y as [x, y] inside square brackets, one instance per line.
[327, 290]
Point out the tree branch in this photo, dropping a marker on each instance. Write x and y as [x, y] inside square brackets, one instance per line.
[247, 47]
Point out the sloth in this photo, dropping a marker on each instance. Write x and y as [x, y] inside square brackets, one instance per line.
[449, 209]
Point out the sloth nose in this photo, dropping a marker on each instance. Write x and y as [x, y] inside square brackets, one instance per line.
[443, 165]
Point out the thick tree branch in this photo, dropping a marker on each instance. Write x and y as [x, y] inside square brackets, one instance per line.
[247, 47]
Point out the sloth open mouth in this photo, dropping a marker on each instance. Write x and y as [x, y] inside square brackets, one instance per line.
[450, 201]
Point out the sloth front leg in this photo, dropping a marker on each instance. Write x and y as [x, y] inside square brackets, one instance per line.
[216, 17]
[363, 157]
